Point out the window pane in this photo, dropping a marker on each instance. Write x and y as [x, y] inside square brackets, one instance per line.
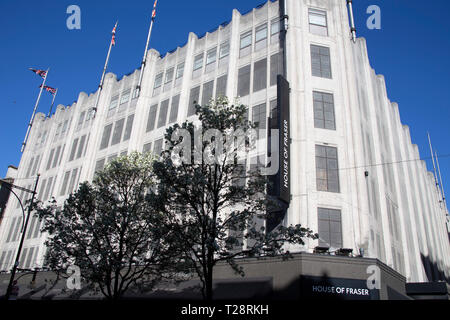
[193, 100]
[275, 26]
[81, 146]
[118, 128]
[125, 96]
[164, 108]
[246, 39]
[244, 81]
[261, 33]
[106, 135]
[221, 86]
[276, 67]
[198, 62]
[64, 185]
[211, 56]
[158, 80]
[180, 70]
[224, 50]
[207, 92]
[260, 75]
[174, 109]
[128, 127]
[169, 75]
[113, 103]
[151, 118]
[74, 148]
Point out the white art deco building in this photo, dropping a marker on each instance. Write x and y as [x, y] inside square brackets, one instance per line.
[350, 175]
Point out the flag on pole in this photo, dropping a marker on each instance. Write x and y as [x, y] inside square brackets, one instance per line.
[113, 40]
[154, 10]
[49, 89]
[39, 72]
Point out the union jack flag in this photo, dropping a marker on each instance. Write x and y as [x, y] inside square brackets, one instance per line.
[154, 10]
[49, 89]
[113, 40]
[41, 73]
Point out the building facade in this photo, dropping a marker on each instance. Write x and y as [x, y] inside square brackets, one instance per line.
[352, 178]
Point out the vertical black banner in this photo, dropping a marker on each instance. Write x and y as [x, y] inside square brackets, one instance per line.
[284, 142]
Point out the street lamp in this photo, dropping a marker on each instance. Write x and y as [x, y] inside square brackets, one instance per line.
[24, 229]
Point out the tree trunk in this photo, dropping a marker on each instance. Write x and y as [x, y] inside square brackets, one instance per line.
[209, 283]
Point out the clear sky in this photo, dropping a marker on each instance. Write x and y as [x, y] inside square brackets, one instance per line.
[411, 50]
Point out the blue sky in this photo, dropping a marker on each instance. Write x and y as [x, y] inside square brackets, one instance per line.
[411, 51]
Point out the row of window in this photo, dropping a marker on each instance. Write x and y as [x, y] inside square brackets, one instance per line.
[259, 74]
[28, 261]
[260, 39]
[79, 146]
[119, 134]
[70, 181]
[121, 104]
[100, 164]
[55, 157]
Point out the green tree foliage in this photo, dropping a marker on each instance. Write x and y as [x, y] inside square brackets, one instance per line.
[213, 215]
[110, 231]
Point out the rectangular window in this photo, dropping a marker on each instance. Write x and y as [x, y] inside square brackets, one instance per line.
[243, 81]
[169, 75]
[36, 165]
[211, 56]
[151, 118]
[118, 129]
[147, 147]
[320, 61]
[125, 96]
[260, 75]
[221, 86]
[81, 146]
[163, 109]
[47, 189]
[224, 50]
[318, 22]
[158, 147]
[158, 80]
[180, 70]
[276, 67]
[261, 33]
[327, 174]
[245, 44]
[193, 100]
[324, 111]
[74, 149]
[207, 93]
[135, 93]
[99, 165]
[275, 26]
[106, 136]
[72, 180]
[198, 62]
[65, 182]
[261, 37]
[129, 126]
[259, 118]
[30, 166]
[56, 158]
[81, 119]
[113, 104]
[330, 227]
[174, 109]
[246, 40]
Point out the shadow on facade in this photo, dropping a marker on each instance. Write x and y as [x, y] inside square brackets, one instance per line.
[432, 270]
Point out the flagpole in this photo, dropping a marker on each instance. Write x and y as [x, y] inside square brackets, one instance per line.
[53, 101]
[144, 59]
[30, 124]
[440, 178]
[103, 75]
